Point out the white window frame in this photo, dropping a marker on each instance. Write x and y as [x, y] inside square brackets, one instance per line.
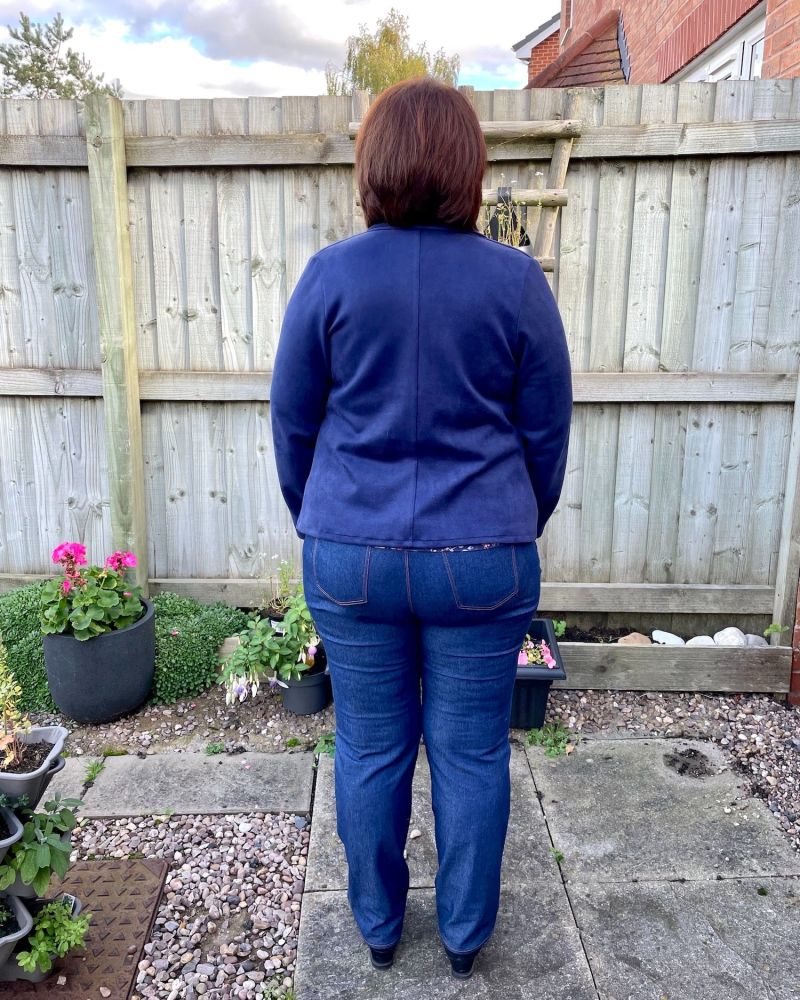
[732, 56]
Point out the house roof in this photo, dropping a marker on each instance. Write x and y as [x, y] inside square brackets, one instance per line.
[594, 57]
[539, 34]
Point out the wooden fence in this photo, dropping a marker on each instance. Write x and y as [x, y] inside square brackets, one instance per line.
[147, 250]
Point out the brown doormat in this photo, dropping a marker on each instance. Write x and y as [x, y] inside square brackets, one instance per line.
[122, 897]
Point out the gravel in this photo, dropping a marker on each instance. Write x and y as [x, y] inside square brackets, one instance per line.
[259, 725]
[227, 925]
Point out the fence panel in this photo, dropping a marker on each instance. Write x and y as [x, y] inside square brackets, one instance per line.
[677, 258]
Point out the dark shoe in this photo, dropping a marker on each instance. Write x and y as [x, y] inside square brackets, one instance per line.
[382, 958]
[463, 965]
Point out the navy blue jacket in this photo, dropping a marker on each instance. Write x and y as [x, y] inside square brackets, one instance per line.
[421, 392]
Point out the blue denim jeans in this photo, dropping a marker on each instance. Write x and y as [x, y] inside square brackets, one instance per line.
[422, 643]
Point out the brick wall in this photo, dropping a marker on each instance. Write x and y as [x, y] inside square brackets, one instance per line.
[782, 42]
[663, 37]
[544, 53]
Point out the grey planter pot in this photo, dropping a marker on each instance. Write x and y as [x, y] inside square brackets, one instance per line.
[25, 921]
[15, 832]
[34, 783]
[106, 677]
[10, 970]
[18, 887]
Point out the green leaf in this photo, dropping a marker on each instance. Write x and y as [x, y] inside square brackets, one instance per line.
[29, 867]
[41, 882]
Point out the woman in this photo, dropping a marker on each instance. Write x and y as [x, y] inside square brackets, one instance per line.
[420, 404]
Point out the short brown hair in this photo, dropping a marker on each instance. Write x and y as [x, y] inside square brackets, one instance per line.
[420, 156]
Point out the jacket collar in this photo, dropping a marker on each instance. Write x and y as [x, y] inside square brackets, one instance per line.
[424, 225]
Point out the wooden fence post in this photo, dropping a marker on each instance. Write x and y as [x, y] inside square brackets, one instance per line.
[794, 680]
[788, 569]
[108, 187]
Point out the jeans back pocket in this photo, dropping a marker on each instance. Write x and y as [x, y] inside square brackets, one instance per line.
[341, 570]
[483, 579]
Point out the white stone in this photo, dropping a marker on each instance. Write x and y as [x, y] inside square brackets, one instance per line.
[755, 640]
[731, 636]
[701, 640]
[667, 638]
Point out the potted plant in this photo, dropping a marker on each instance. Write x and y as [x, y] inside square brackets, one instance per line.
[99, 637]
[288, 654]
[58, 927]
[15, 924]
[28, 754]
[538, 665]
[42, 850]
[282, 592]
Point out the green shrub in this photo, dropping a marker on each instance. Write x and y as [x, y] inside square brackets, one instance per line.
[19, 629]
[188, 635]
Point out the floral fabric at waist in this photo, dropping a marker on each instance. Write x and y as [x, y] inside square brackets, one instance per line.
[440, 548]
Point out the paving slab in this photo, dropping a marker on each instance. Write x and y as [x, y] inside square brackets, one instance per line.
[534, 952]
[527, 852]
[621, 809]
[71, 780]
[188, 783]
[718, 940]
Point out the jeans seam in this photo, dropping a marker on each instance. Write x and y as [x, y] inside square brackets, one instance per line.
[408, 583]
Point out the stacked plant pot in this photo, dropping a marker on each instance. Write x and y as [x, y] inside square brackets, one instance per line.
[24, 791]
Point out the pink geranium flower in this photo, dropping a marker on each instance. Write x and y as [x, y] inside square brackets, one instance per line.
[66, 586]
[120, 561]
[522, 659]
[70, 552]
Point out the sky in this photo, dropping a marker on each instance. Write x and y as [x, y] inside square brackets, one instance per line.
[236, 48]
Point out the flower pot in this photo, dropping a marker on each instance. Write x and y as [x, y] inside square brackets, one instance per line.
[34, 783]
[101, 679]
[14, 831]
[312, 693]
[532, 685]
[27, 892]
[11, 970]
[25, 922]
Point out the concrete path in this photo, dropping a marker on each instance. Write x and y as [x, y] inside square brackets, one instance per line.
[674, 885]
[188, 783]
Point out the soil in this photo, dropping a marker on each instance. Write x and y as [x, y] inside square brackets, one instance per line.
[33, 756]
[597, 633]
[689, 762]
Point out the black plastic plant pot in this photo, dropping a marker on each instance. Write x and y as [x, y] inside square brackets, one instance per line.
[104, 678]
[33, 784]
[11, 971]
[312, 693]
[533, 682]
[14, 827]
[24, 924]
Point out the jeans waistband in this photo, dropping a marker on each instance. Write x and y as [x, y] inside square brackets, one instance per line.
[439, 548]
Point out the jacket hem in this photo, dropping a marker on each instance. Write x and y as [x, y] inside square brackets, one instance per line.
[420, 543]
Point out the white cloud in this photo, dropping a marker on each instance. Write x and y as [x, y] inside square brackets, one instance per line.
[212, 48]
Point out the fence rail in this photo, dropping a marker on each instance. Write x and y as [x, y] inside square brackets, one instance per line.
[134, 396]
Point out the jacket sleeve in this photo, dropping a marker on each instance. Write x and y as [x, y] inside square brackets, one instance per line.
[543, 393]
[300, 385]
